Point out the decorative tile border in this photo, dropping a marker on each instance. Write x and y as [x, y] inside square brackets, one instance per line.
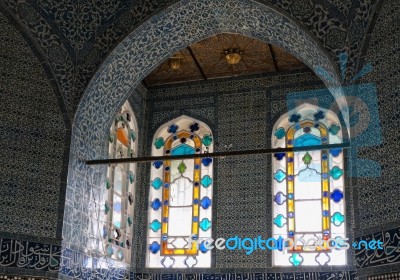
[388, 256]
[346, 275]
[29, 255]
[387, 276]
[11, 277]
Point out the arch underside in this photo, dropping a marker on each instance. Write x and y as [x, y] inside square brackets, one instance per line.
[150, 44]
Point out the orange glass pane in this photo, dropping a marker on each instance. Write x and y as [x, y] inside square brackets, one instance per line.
[122, 136]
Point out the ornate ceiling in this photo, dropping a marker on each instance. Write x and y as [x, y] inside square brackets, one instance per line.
[206, 60]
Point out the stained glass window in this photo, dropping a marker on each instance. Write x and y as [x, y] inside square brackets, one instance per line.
[180, 199]
[308, 188]
[120, 185]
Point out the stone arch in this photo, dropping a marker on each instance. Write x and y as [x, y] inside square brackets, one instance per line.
[176, 27]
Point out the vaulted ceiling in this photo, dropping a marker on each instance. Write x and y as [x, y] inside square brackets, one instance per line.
[76, 36]
[206, 60]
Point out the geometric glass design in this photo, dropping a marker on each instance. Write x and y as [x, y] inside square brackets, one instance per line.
[308, 186]
[180, 198]
[120, 186]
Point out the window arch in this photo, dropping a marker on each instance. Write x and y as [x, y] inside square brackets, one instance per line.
[180, 196]
[308, 186]
[120, 184]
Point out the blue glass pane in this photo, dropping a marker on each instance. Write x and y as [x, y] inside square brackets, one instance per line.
[279, 175]
[205, 224]
[156, 204]
[194, 127]
[203, 247]
[279, 156]
[206, 161]
[280, 220]
[337, 219]
[336, 195]
[296, 259]
[173, 128]
[294, 118]
[206, 181]
[157, 183]
[280, 198]
[205, 202]
[336, 172]
[335, 152]
[155, 225]
[319, 116]
[154, 247]
[183, 149]
[307, 140]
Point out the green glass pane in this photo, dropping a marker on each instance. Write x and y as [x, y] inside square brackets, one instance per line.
[108, 184]
[155, 225]
[307, 158]
[129, 221]
[205, 224]
[132, 135]
[159, 143]
[206, 181]
[280, 133]
[280, 220]
[207, 140]
[334, 129]
[106, 208]
[181, 168]
[337, 219]
[111, 138]
[110, 250]
[131, 177]
[296, 259]
[120, 255]
[336, 172]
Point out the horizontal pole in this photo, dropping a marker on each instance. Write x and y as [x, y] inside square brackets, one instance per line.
[219, 154]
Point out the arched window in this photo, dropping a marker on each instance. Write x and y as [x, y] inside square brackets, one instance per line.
[180, 196]
[308, 187]
[120, 183]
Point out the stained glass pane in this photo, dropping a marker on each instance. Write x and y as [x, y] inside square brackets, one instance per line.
[307, 140]
[182, 149]
[120, 184]
[308, 193]
[184, 191]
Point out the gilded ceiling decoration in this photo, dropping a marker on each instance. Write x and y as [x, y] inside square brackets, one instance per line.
[223, 55]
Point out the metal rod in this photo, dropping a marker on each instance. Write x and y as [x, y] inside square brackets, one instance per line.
[219, 154]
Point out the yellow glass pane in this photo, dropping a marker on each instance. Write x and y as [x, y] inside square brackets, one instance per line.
[195, 228]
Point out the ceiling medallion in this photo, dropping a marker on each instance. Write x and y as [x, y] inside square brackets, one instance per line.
[233, 56]
[175, 62]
